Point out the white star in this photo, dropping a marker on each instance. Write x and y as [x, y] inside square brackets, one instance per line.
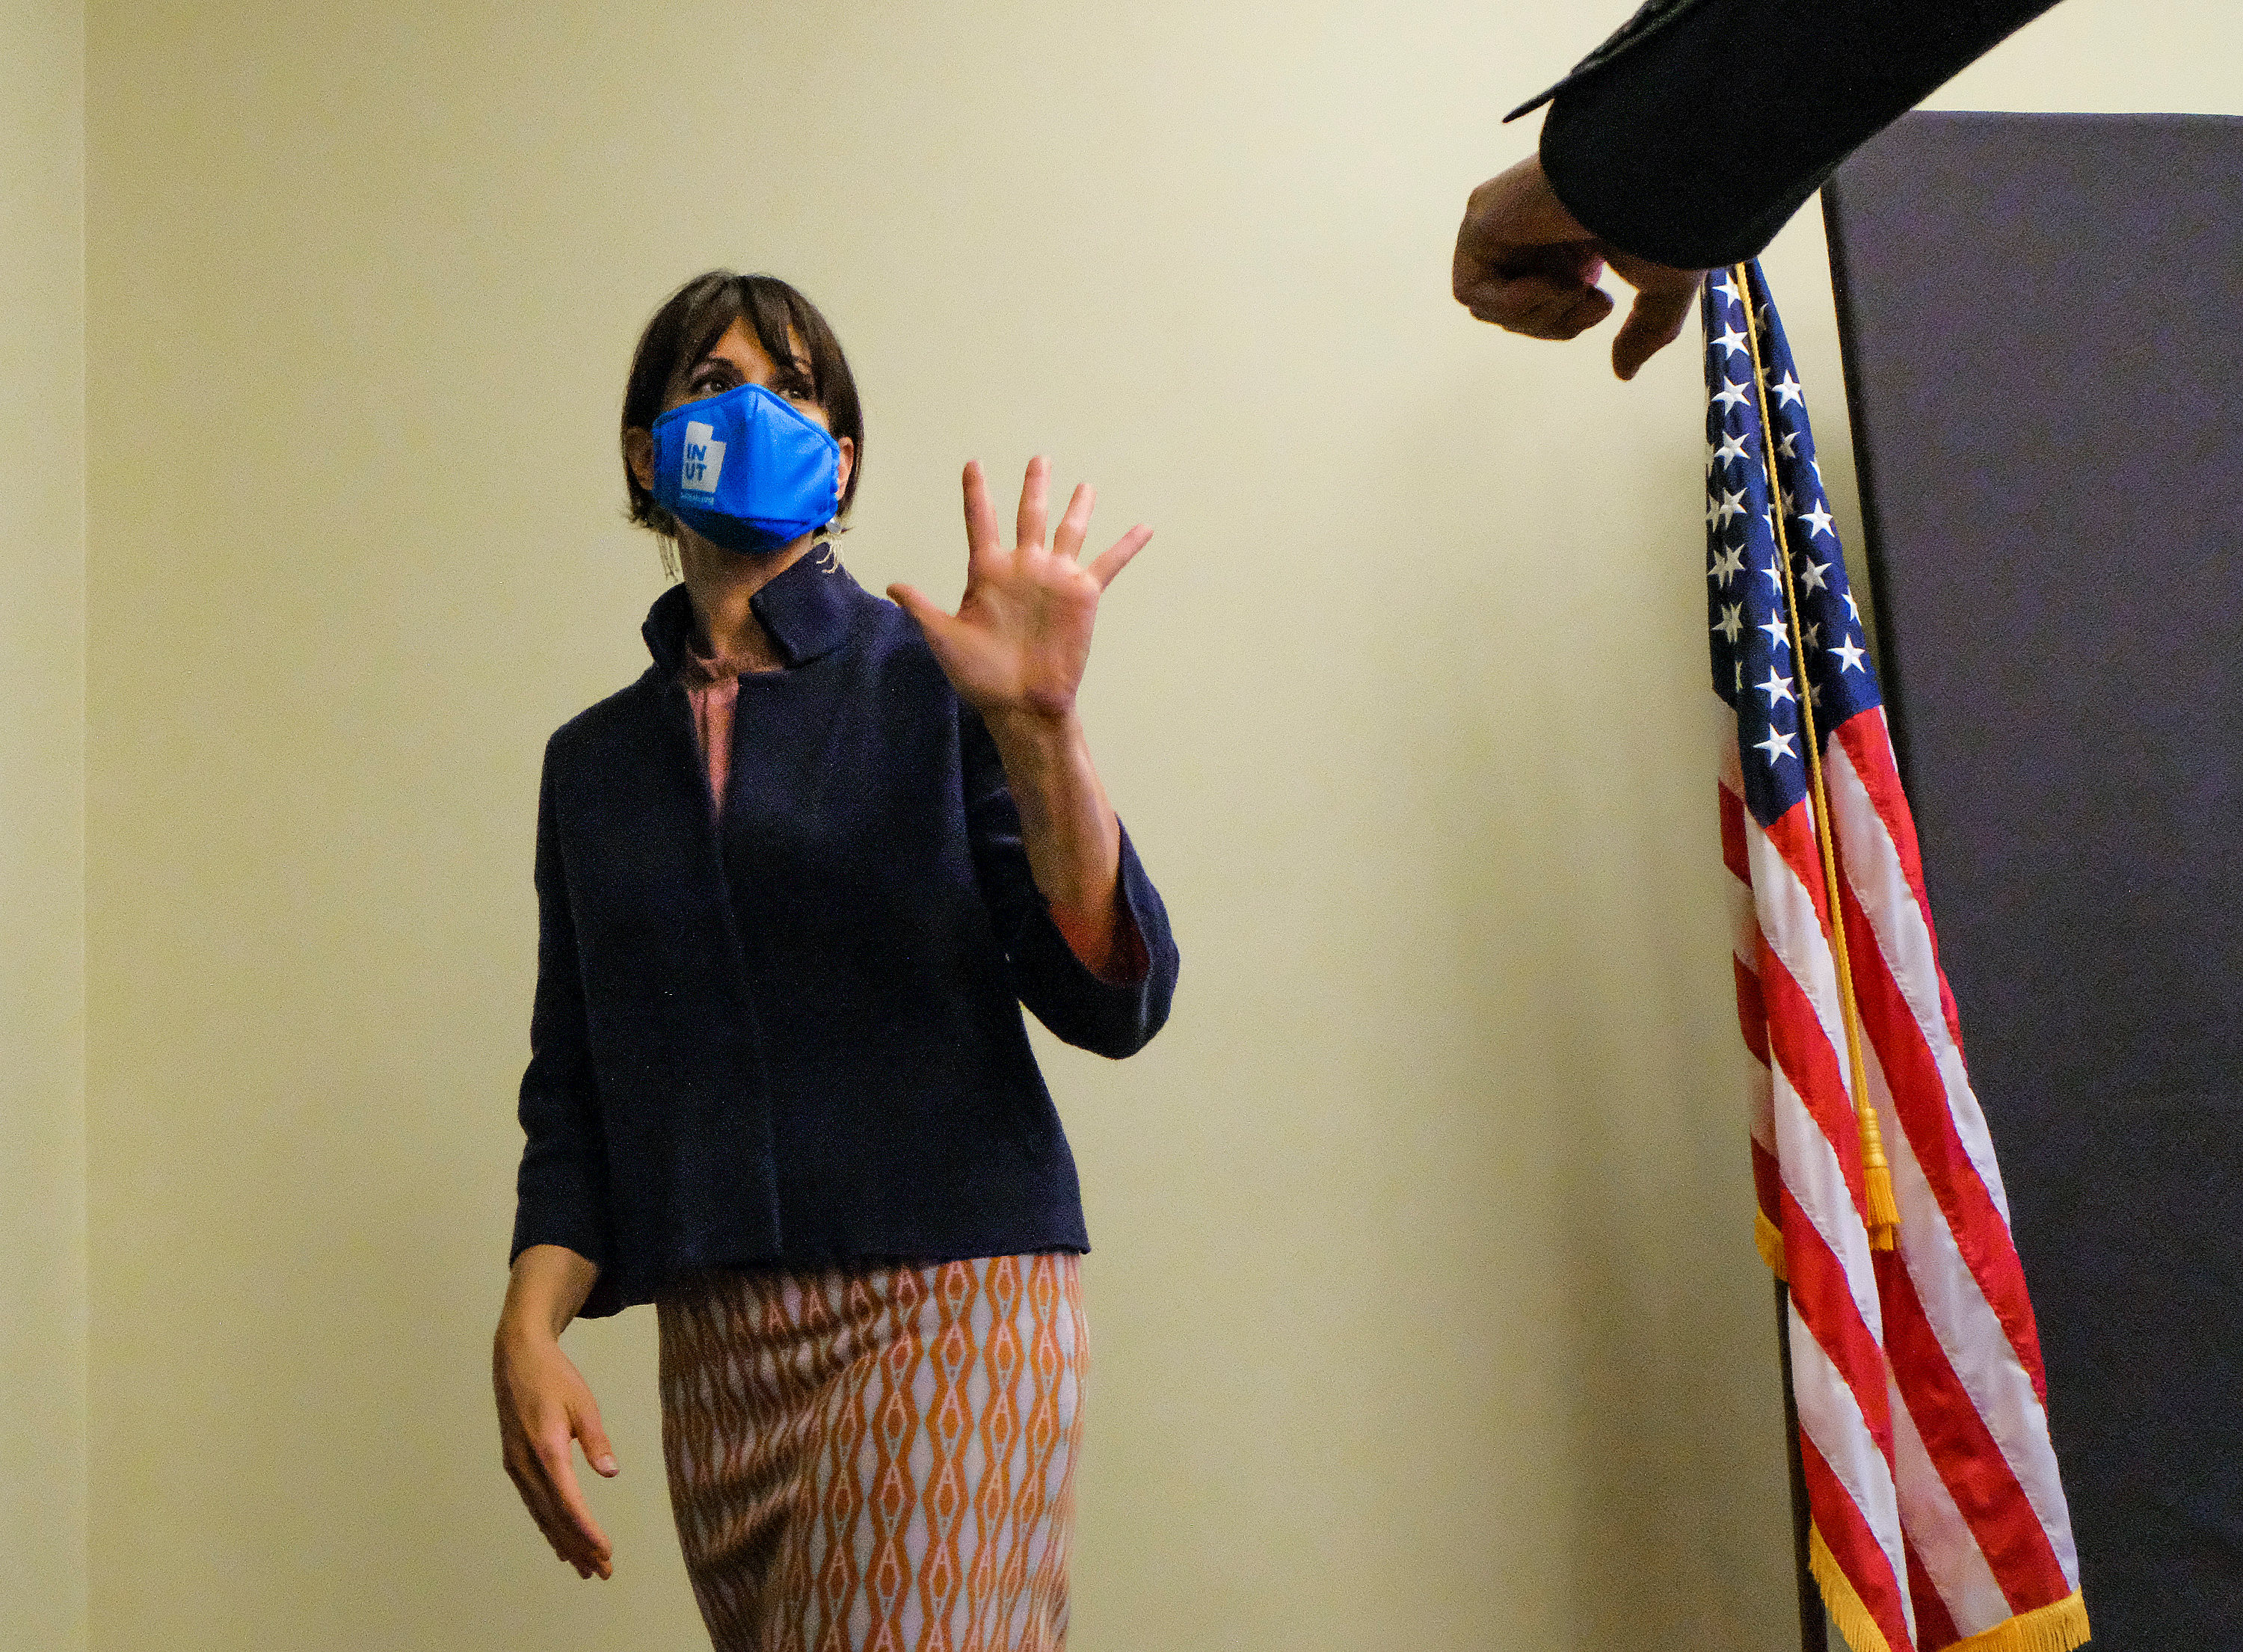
[1850, 654]
[1774, 572]
[1819, 519]
[1813, 576]
[1741, 677]
[1816, 464]
[1725, 289]
[1787, 392]
[1776, 746]
[1727, 565]
[1814, 635]
[1777, 636]
[1733, 341]
[1731, 505]
[1853, 607]
[1730, 396]
[1776, 687]
[1731, 622]
[1733, 446]
[1787, 446]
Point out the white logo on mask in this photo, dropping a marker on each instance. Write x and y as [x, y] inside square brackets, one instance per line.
[702, 462]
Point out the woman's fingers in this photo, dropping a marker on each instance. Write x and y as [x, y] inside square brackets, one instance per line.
[983, 551]
[981, 518]
[574, 1535]
[933, 621]
[1116, 556]
[579, 1537]
[1075, 525]
[594, 1437]
[1034, 486]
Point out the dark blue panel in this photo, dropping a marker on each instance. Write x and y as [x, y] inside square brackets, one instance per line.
[2042, 317]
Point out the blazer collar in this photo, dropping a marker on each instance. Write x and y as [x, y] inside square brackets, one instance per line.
[807, 609]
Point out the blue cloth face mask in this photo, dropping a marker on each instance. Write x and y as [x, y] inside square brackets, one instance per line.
[746, 470]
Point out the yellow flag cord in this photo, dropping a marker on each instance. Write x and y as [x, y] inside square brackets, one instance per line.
[1876, 1174]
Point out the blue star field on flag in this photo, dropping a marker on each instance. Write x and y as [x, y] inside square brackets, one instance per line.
[1756, 667]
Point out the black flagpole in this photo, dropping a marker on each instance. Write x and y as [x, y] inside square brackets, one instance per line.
[1813, 1636]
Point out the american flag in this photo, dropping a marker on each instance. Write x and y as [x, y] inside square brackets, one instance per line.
[1938, 1515]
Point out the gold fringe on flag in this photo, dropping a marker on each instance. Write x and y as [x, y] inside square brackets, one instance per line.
[1884, 1216]
[1847, 1614]
[2059, 1627]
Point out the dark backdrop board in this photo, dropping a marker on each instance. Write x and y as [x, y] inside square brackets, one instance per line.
[2042, 321]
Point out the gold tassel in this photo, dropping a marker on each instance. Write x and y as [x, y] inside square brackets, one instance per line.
[1877, 1175]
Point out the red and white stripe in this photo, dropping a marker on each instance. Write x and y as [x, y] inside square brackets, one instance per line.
[1922, 1400]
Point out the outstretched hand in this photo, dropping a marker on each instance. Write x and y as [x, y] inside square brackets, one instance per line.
[1528, 266]
[1021, 635]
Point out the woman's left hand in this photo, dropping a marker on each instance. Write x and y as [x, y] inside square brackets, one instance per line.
[1021, 635]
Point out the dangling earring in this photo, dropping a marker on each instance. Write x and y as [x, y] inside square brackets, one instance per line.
[829, 559]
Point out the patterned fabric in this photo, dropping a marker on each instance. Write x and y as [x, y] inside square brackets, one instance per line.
[877, 1458]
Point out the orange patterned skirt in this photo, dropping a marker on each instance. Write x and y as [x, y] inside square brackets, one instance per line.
[876, 1457]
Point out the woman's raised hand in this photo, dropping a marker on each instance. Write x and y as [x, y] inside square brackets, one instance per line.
[1021, 638]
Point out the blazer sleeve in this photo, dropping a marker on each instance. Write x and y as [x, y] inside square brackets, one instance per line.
[1691, 136]
[561, 1191]
[1108, 1017]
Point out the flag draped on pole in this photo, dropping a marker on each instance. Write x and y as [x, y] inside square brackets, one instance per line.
[1939, 1519]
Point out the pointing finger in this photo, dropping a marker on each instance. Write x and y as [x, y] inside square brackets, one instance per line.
[1653, 322]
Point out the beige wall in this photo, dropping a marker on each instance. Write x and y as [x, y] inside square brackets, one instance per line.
[1425, 1309]
[42, 1287]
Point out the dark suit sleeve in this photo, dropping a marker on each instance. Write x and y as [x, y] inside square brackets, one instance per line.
[562, 1192]
[1692, 140]
[1108, 1017]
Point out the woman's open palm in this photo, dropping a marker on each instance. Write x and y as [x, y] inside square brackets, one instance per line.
[1021, 635]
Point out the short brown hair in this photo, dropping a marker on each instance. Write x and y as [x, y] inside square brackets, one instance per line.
[687, 326]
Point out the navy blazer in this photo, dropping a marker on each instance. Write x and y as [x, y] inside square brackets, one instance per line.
[793, 1035]
[1694, 133]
